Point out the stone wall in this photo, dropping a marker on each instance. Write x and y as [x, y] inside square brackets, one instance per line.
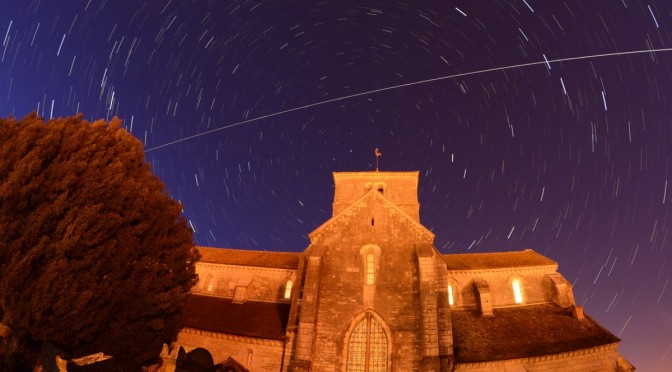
[254, 354]
[263, 284]
[395, 297]
[603, 358]
[536, 285]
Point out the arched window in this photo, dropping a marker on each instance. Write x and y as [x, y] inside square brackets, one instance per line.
[288, 289]
[370, 269]
[451, 295]
[367, 347]
[380, 187]
[370, 261]
[209, 283]
[250, 353]
[517, 285]
[452, 292]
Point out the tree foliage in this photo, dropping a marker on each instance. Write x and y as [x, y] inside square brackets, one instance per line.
[94, 255]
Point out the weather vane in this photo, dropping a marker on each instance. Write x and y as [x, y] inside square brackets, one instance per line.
[378, 154]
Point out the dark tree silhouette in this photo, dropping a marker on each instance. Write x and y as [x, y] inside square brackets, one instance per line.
[94, 255]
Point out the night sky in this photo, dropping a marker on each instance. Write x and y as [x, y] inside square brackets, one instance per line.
[246, 107]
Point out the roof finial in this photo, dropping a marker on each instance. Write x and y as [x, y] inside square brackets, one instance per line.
[378, 154]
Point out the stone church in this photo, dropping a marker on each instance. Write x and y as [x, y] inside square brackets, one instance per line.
[372, 293]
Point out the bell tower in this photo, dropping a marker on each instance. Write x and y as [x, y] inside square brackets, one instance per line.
[401, 188]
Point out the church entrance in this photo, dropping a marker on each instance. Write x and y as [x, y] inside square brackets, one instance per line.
[367, 347]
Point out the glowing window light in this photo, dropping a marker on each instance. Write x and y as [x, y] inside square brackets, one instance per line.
[370, 269]
[451, 298]
[517, 291]
[288, 289]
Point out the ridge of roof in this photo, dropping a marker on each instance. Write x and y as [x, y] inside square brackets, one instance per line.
[382, 174]
[357, 203]
[243, 257]
[496, 260]
[243, 250]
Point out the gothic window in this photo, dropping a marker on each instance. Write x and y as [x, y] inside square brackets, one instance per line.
[288, 289]
[367, 348]
[370, 269]
[517, 286]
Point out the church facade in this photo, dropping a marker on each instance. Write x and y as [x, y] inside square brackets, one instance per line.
[372, 293]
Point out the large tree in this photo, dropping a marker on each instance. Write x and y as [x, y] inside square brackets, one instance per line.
[94, 255]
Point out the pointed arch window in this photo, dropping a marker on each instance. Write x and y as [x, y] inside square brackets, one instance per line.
[370, 264]
[367, 347]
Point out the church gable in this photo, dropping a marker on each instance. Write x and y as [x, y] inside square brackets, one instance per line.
[375, 217]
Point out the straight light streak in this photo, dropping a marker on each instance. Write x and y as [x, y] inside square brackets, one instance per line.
[414, 83]
[665, 192]
[625, 325]
[60, 46]
[548, 65]
[9, 28]
[525, 36]
[72, 65]
[35, 34]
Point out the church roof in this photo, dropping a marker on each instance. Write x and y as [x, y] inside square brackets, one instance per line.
[252, 318]
[278, 260]
[498, 260]
[523, 332]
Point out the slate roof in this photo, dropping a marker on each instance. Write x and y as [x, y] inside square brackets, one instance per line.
[522, 332]
[278, 260]
[499, 260]
[252, 318]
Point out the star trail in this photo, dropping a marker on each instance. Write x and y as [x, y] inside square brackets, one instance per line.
[542, 125]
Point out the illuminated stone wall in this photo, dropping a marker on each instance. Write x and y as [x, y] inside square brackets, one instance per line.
[255, 354]
[604, 358]
[536, 285]
[403, 298]
[371, 289]
[263, 284]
